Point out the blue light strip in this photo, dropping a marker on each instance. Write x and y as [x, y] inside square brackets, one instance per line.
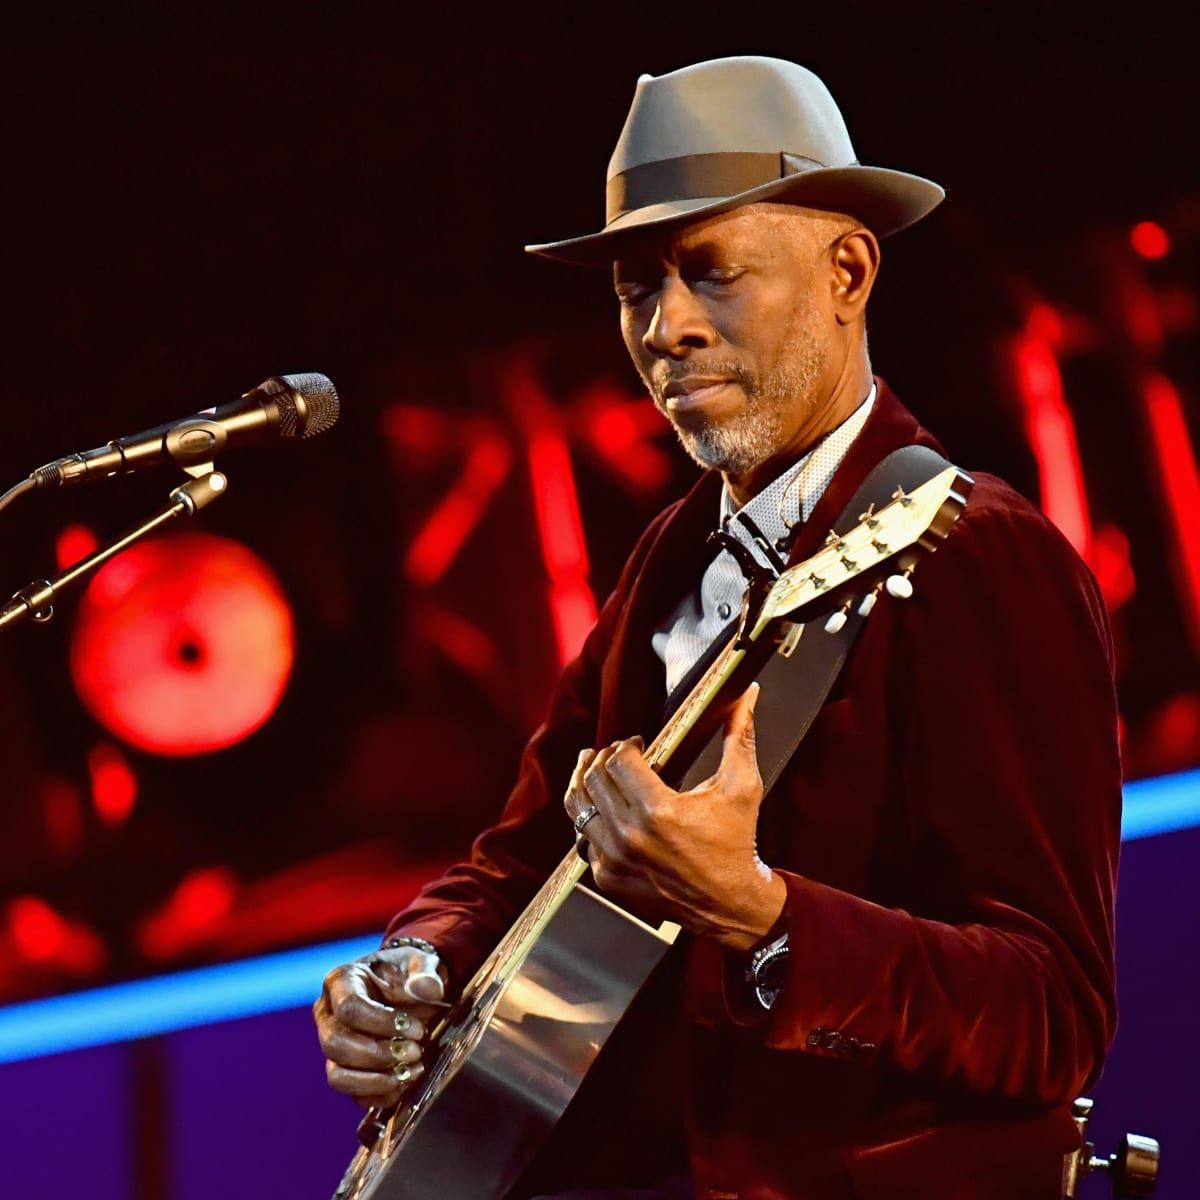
[291, 980]
[166, 1003]
[1161, 805]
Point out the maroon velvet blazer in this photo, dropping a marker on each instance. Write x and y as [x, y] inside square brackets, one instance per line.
[948, 833]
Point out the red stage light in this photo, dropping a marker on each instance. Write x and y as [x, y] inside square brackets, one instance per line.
[1179, 482]
[194, 912]
[38, 932]
[1149, 239]
[564, 549]
[182, 645]
[74, 543]
[114, 785]
[1050, 431]
[459, 511]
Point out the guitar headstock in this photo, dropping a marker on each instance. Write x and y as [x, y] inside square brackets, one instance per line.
[880, 551]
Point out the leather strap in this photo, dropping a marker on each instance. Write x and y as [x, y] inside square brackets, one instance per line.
[795, 688]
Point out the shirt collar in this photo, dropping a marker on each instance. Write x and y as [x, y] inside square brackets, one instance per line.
[790, 498]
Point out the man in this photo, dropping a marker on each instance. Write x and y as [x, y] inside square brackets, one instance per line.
[931, 879]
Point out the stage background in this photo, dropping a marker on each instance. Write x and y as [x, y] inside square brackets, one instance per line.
[197, 199]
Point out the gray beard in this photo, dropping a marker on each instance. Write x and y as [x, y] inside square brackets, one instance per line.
[738, 446]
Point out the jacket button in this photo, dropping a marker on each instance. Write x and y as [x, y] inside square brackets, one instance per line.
[816, 1039]
[833, 1041]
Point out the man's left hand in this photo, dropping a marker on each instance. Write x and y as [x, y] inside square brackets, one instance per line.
[689, 857]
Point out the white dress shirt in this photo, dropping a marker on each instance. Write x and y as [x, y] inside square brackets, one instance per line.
[783, 503]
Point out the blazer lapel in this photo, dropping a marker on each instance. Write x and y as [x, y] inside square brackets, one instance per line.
[889, 427]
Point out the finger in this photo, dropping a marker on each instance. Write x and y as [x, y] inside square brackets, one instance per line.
[372, 1083]
[605, 829]
[601, 789]
[739, 757]
[349, 1049]
[631, 775]
[575, 797]
[352, 1006]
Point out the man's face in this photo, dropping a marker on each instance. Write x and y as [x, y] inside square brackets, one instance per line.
[724, 320]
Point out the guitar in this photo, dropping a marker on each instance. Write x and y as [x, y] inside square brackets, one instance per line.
[505, 1062]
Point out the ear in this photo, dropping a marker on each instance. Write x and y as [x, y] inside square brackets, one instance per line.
[855, 265]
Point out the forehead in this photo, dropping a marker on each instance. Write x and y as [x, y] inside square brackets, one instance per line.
[753, 229]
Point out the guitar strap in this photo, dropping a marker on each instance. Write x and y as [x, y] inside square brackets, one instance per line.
[795, 686]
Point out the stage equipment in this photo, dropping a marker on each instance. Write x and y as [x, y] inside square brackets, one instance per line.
[1132, 1169]
[509, 1056]
[284, 406]
[36, 599]
[183, 645]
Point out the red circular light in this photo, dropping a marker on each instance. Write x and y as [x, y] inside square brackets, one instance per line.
[183, 645]
[1149, 239]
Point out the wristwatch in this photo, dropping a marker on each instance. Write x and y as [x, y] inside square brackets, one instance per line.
[767, 970]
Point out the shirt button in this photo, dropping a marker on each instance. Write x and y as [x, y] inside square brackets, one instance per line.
[724, 611]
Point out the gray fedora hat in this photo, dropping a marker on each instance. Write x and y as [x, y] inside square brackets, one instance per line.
[732, 131]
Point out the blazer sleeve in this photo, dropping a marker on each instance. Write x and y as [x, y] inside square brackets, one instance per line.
[1003, 986]
[466, 911]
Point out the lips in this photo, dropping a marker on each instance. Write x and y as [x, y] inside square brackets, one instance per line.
[693, 383]
[693, 395]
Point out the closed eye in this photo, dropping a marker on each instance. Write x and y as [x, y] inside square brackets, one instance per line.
[631, 294]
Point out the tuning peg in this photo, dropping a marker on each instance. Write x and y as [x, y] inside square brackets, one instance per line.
[869, 516]
[868, 602]
[880, 547]
[837, 619]
[902, 496]
[900, 585]
[834, 539]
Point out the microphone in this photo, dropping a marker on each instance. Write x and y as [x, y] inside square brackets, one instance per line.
[284, 406]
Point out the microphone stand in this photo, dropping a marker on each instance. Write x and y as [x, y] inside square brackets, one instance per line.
[36, 600]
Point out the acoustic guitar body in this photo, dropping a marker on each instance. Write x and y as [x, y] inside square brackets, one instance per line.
[511, 1059]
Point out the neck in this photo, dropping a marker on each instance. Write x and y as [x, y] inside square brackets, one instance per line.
[847, 392]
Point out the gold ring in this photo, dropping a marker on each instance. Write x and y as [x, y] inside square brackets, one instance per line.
[398, 1048]
[402, 1073]
[403, 1021]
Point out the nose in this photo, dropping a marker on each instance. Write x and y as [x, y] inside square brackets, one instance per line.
[679, 324]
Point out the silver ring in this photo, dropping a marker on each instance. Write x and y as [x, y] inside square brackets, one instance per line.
[585, 816]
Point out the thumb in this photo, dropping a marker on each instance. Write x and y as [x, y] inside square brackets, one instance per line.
[738, 751]
[406, 975]
[422, 981]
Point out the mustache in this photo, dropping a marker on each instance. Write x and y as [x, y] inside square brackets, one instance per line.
[664, 374]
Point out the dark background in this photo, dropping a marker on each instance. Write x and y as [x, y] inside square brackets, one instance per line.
[198, 198]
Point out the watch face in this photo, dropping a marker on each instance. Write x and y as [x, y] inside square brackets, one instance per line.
[771, 972]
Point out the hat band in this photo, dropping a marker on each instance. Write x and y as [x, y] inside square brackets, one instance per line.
[691, 176]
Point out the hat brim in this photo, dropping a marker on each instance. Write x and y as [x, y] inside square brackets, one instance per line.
[885, 201]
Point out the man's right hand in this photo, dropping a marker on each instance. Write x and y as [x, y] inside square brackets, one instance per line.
[371, 1017]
